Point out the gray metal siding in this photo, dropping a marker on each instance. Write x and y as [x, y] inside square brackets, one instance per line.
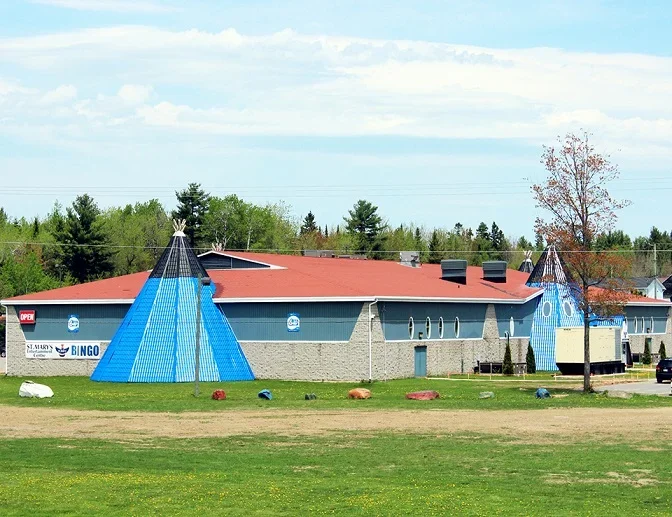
[522, 314]
[96, 322]
[659, 315]
[328, 321]
[395, 317]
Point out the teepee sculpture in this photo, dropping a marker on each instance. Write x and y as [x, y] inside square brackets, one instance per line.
[557, 308]
[526, 266]
[156, 342]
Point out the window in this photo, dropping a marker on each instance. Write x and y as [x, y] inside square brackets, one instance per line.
[569, 310]
[441, 327]
[428, 327]
[457, 327]
[546, 309]
[512, 327]
[411, 328]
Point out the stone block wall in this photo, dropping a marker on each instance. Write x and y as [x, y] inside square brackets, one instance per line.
[21, 366]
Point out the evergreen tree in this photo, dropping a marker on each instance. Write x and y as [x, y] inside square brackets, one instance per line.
[530, 360]
[661, 351]
[524, 244]
[36, 228]
[418, 240]
[482, 232]
[309, 225]
[326, 231]
[507, 365]
[497, 237]
[539, 241]
[192, 206]
[646, 356]
[365, 226]
[435, 251]
[84, 251]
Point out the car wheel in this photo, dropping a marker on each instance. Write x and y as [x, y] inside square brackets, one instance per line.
[660, 381]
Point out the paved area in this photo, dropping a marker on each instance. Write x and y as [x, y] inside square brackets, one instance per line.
[650, 387]
[3, 364]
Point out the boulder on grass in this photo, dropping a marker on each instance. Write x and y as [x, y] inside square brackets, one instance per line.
[219, 395]
[423, 395]
[619, 395]
[359, 393]
[486, 395]
[31, 389]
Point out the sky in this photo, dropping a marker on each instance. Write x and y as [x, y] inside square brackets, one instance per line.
[435, 111]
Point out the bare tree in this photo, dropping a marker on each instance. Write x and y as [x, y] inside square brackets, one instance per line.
[581, 208]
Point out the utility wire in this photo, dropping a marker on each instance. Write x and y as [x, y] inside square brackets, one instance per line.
[284, 250]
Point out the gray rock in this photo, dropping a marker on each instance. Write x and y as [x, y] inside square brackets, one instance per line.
[486, 395]
[619, 395]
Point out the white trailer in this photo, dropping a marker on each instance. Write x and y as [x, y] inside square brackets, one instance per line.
[606, 350]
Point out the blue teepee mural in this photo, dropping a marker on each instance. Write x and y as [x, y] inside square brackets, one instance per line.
[156, 342]
[557, 307]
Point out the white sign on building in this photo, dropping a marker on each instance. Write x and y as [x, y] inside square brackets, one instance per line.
[63, 350]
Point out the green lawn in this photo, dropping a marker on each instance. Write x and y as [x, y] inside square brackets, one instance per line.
[381, 474]
[81, 393]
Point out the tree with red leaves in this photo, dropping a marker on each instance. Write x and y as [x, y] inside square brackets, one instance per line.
[581, 209]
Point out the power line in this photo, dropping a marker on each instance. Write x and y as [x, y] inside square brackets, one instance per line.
[287, 250]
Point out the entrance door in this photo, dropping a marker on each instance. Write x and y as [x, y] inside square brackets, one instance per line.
[421, 361]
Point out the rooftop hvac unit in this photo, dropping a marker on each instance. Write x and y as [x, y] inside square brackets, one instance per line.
[409, 258]
[494, 271]
[454, 271]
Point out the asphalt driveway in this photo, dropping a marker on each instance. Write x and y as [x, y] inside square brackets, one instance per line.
[650, 387]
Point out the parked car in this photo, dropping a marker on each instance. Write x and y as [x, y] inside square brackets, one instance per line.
[664, 370]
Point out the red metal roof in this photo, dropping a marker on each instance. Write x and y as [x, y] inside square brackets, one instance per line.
[313, 278]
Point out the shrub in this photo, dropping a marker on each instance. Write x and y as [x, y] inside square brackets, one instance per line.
[646, 356]
[507, 365]
[661, 351]
[530, 360]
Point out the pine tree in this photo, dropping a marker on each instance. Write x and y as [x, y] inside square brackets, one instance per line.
[435, 255]
[192, 205]
[661, 351]
[309, 225]
[84, 252]
[326, 231]
[646, 356]
[418, 239]
[507, 365]
[366, 227]
[482, 232]
[530, 360]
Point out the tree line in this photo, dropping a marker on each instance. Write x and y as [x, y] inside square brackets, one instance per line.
[82, 242]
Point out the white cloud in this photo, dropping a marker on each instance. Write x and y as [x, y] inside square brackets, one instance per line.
[134, 93]
[63, 93]
[294, 84]
[119, 6]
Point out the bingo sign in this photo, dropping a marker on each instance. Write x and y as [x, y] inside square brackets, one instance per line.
[293, 322]
[63, 350]
[73, 323]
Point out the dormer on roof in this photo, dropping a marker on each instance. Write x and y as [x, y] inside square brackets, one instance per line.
[220, 260]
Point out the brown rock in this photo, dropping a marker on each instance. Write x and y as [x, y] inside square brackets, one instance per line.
[423, 395]
[359, 393]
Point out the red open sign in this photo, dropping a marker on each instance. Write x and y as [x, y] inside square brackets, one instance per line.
[27, 317]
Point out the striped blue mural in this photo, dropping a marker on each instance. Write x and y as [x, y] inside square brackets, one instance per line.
[156, 341]
[557, 308]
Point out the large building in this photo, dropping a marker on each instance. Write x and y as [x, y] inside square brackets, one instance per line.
[315, 318]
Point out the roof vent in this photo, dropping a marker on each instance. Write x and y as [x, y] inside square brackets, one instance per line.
[494, 271]
[409, 258]
[454, 271]
[318, 253]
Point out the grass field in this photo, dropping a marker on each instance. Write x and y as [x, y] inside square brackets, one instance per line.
[81, 393]
[516, 465]
[381, 474]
